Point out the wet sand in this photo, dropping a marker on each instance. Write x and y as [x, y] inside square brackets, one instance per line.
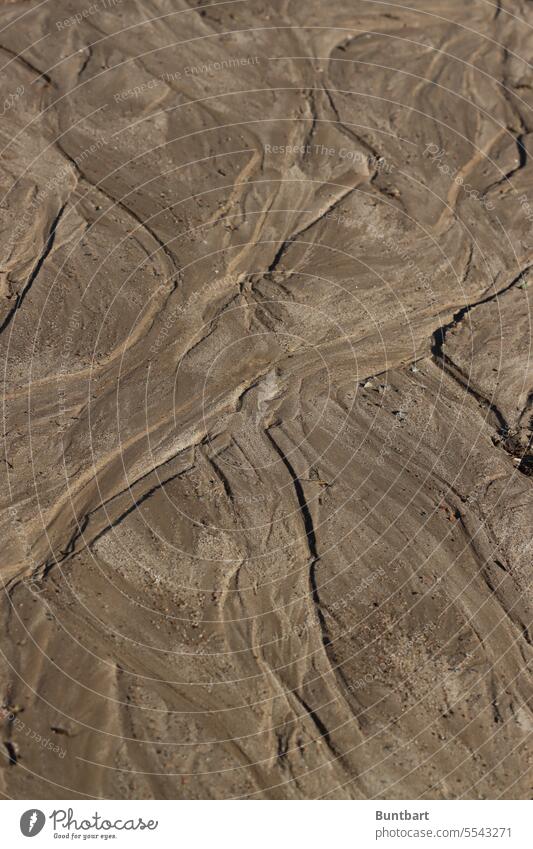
[266, 275]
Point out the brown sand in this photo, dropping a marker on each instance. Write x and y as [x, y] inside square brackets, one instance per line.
[265, 313]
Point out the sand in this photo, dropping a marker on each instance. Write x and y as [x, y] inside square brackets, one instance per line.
[265, 305]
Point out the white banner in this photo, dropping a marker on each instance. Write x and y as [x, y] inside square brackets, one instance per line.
[262, 825]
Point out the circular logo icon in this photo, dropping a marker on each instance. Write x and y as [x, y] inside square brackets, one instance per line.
[32, 822]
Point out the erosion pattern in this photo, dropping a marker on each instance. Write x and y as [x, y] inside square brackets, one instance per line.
[267, 399]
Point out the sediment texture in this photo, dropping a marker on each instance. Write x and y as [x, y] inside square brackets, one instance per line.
[267, 399]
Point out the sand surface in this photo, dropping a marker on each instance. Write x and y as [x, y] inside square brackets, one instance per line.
[266, 272]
